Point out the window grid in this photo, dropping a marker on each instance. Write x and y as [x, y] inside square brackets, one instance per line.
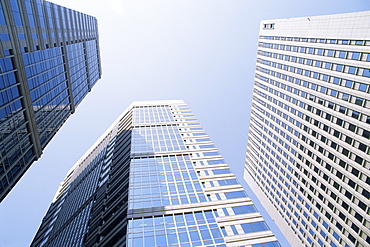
[188, 229]
[156, 139]
[152, 114]
[163, 181]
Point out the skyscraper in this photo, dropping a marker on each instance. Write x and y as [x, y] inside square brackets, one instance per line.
[308, 148]
[49, 61]
[153, 179]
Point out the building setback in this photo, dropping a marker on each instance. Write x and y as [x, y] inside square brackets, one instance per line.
[153, 179]
[308, 149]
[49, 61]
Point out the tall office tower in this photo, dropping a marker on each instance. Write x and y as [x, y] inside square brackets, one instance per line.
[49, 61]
[153, 179]
[308, 149]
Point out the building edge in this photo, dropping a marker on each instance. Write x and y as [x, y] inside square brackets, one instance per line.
[273, 213]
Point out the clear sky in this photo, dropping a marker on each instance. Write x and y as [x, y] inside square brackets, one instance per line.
[201, 51]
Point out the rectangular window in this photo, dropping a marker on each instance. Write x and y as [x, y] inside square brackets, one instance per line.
[244, 209]
[351, 70]
[328, 65]
[221, 171]
[21, 36]
[342, 54]
[359, 101]
[210, 154]
[336, 80]
[320, 52]
[330, 53]
[206, 146]
[366, 72]
[235, 194]
[355, 55]
[4, 37]
[16, 13]
[363, 87]
[339, 68]
[254, 227]
[215, 162]
[227, 182]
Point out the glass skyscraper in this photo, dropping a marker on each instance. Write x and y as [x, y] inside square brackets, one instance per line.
[308, 149]
[154, 178]
[49, 61]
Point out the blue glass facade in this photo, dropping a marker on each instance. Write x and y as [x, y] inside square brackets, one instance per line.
[155, 179]
[47, 82]
[15, 145]
[49, 61]
[151, 177]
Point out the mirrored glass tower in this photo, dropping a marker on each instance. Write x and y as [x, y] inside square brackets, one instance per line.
[154, 178]
[49, 61]
[308, 149]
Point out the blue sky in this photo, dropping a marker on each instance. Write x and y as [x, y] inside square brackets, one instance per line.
[201, 51]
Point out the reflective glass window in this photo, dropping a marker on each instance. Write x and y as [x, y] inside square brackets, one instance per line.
[254, 227]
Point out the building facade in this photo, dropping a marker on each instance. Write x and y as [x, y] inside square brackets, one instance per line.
[153, 179]
[308, 147]
[49, 61]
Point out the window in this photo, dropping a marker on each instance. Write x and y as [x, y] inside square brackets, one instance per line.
[235, 194]
[210, 154]
[206, 146]
[359, 101]
[345, 97]
[348, 139]
[244, 209]
[320, 51]
[254, 227]
[342, 109]
[342, 54]
[215, 162]
[16, 13]
[21, 36]
[269, 26]
[352, 127]
[336, 80]
[221, 171]
[352, 70]
[366, 134]
[4, 36]
[355, 114]
[366, 72]
[355, 55]
[362, 87]
[227, 182]
[339, 68]
[330, 53]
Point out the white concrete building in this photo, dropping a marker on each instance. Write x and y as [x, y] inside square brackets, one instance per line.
[308, 148]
